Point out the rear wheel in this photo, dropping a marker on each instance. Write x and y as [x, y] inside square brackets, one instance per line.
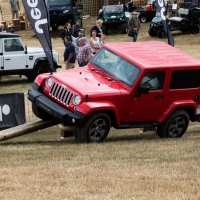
[41, 113]
[175, 126]
[194, 29]
[104, 29]
[95, 129]
[161, 33]
[123, 28]
[143, 18]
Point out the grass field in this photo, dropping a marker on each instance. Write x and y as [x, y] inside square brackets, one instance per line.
[128, 165]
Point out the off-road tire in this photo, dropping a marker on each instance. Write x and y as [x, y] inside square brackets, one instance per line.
[143, 18]
[41, 113]
[175, 126]
[95, 129]
[124, 28]
[194, 29]
[30, 76]
[54, 28]
[41, 68]
[161, 33]
[104, 29]
[152, 32]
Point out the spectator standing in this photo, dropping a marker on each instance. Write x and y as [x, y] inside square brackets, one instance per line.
[97, 28]
[76, 28]
[83, 53]
[134, 25]
[2, 28]
[66, 32]
[69, 54]
[95, 42]
[14, 6]
[76, 41]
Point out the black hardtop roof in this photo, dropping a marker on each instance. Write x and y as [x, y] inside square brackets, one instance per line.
[8, 35]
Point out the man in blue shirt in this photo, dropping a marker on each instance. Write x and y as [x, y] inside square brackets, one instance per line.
[69, 54]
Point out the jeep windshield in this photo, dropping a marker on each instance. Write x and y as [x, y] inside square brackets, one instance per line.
[116, 66]
[113, 9]
[58, 2]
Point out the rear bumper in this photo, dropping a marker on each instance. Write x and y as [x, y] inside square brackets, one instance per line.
[47, 105]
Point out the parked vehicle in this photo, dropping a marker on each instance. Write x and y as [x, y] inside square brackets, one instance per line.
[156, 27]
[111, 92]
[62, 12]
[187, 21]
[147, 13]
[16, 58]
[114, 17]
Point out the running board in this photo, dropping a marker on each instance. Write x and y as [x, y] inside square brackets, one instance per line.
[137, 125]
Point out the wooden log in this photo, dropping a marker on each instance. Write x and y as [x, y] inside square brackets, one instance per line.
[26, 128]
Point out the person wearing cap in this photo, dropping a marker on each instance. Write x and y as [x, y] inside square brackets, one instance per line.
[76, 28]
[134, 25]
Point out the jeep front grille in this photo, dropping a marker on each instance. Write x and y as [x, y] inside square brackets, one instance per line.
[61, 93]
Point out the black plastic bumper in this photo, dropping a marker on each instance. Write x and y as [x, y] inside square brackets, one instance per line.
[69, 118]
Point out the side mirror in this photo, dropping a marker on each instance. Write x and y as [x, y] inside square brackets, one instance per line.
[142, 89]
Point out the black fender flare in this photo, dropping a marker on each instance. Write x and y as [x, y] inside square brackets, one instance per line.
[44, 59]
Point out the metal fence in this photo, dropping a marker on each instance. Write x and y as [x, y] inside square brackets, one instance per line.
[28, 108]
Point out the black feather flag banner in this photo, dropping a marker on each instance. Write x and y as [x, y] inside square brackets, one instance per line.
[162, 9]
[36, 11]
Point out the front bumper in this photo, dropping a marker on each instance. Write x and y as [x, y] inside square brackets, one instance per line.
[67, 117]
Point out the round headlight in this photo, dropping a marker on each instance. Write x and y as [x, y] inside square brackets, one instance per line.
[49, 82]
[77, 99]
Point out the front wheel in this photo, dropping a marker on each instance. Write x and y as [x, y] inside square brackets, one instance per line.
[175, 126]
[194, 29]
[151, 32]
[104, 29]
[143, 18]
[95, 129]
[124, 28]
[42, 68]
[161, 33]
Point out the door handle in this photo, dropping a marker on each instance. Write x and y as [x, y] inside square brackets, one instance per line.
[7, 59]
[159, 96]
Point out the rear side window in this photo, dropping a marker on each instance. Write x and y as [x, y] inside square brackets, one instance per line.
[181, 79]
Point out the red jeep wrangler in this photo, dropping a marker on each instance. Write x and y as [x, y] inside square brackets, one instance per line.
[125, 85]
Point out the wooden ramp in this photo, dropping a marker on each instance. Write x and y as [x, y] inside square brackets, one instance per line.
[26, 128]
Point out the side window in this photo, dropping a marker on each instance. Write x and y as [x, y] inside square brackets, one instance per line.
[155, 80]
[181, 79]
[13, 45]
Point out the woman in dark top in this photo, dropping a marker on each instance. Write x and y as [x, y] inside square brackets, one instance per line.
[66, 32]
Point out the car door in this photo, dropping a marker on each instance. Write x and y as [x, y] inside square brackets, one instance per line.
[148, 107]
[14, 57]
